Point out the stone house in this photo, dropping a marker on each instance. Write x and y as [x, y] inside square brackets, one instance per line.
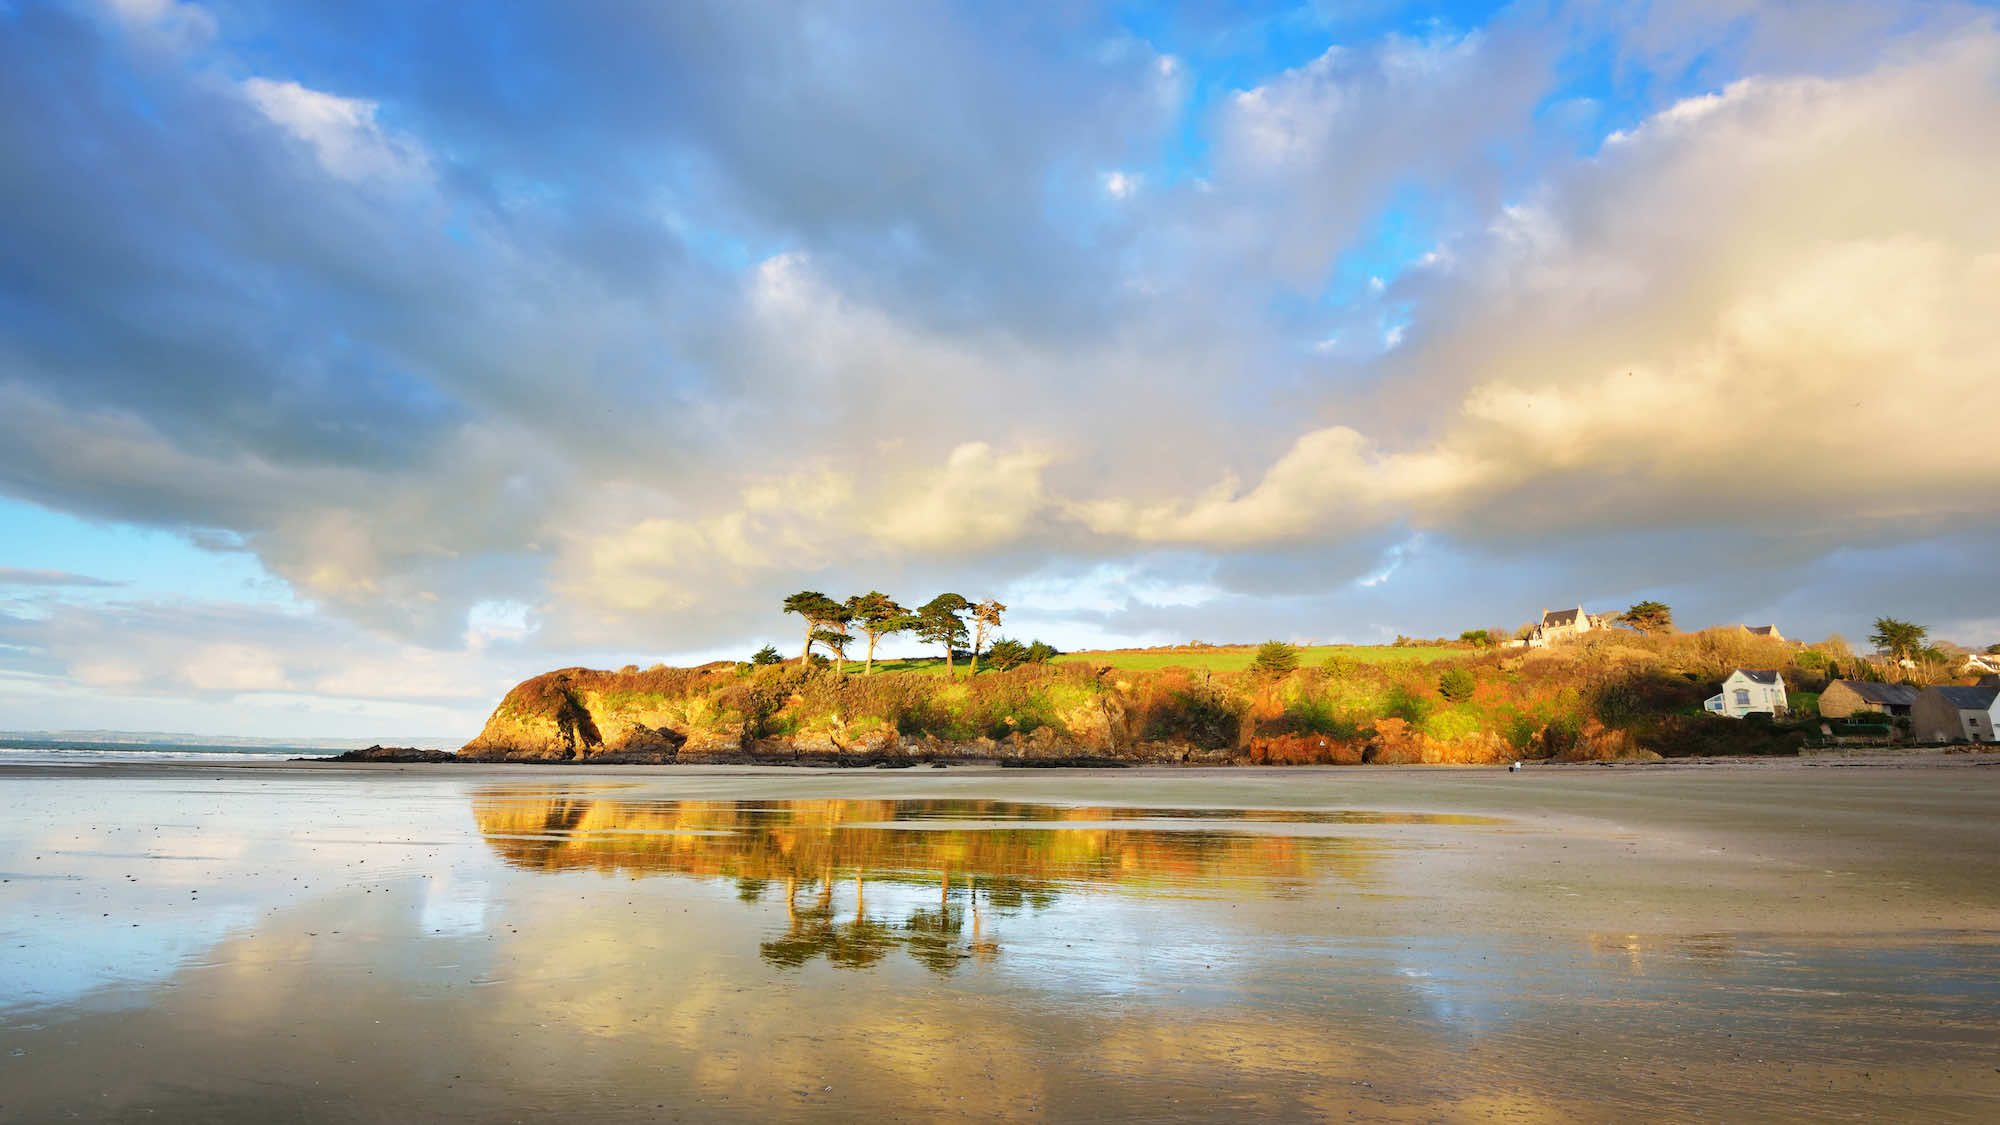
[1953, 714]
[1749, 691]
[1849, 697]
[1562, 625]
[1770, 631]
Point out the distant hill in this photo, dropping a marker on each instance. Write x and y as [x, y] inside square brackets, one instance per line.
[181, 739]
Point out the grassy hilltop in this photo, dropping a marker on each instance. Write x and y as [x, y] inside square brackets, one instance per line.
[1605, 696]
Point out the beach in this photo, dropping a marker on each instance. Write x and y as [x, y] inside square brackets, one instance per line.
[1774, 940]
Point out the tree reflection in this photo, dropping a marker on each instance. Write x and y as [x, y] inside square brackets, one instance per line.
[986, 859]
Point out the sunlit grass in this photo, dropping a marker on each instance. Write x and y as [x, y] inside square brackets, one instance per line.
[1231, 659]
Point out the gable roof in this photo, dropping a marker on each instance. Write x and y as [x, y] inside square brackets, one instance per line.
[1757, 675]
[1762, 630]
[1969, 698]
[1561, 616]
[1894, 695]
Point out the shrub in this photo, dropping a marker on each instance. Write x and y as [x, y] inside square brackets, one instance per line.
[1456, 684]
[1275, 658]
[766, 656]
[1041, 652]
[1480, 638]
[1006, 654]
[1406, 705]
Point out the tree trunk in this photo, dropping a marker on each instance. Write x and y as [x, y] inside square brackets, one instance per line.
[949, 670]
[805, 658]
[869, 669]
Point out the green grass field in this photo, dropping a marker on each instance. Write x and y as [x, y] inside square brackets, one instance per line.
[1232, 659]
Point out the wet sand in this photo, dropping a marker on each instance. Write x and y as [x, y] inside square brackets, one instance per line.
[1794, 940]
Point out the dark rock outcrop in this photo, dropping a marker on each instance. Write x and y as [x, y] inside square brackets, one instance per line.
[393, 754]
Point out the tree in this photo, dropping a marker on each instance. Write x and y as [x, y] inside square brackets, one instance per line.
[985, 621]
[1993, 650]
[939, 623]
[1275, 658]
[1898, 639]
[1480, 638]
[1007, 654]
[819, 612]
[766, 655]
[1041, 652]
[879, 615]
[1649, 617]
[837, 642]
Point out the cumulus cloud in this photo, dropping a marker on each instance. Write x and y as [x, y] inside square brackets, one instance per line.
[881, 324]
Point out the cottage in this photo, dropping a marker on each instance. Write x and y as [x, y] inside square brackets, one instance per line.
[1749, 691]
[1768, 631]
[1564, 625]
[1847, 697]
[1954, 714]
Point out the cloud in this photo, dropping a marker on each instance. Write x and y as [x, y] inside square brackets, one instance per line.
[16, 576]
[342, 132]
[639, 351]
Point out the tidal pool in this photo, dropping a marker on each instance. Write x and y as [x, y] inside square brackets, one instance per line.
[297, 944]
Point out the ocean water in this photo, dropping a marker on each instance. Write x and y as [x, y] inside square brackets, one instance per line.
[44, 752]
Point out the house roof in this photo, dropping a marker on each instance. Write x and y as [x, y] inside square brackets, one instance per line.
[1561, 616]
[1969, 698]
[1896, 695]
[1763, 630]
[1992, 681]
[1758, 675]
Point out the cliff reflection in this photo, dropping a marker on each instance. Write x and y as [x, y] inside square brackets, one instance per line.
[981, 860]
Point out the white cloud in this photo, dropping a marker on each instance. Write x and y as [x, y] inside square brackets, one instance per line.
[1120, 185]
[342, 132]
[171, 24]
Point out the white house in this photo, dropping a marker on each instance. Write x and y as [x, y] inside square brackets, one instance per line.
[1747, 691]
[1562, 625]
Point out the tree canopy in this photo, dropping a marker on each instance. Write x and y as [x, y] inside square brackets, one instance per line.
[1275, 658]
[819, 611]
[939, 623]
[1898, 639]
[878, 615]
[985, 622]
[1649, 617]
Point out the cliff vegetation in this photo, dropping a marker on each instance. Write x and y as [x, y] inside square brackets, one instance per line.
[1609, 696]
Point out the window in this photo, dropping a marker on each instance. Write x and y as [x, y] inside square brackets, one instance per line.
[1743, 697]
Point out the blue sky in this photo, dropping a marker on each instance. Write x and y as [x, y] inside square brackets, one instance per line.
[357, 360]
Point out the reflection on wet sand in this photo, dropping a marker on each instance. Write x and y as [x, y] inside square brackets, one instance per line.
[985, 858]
[359, 948]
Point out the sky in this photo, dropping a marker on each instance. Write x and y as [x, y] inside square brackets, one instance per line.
[360, 359]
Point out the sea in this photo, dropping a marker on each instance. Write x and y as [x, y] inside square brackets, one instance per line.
[88, 751]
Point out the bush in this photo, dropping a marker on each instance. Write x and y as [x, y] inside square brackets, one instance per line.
[1456, 684]
[766, 656]
[1275, 658]
[1480, 638]
[1041, 652]
[1005, 654]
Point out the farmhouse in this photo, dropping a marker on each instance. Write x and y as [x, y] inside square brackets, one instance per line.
[1748, 691]
[1953, 714]
[1847, 697]
[1564, 625]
